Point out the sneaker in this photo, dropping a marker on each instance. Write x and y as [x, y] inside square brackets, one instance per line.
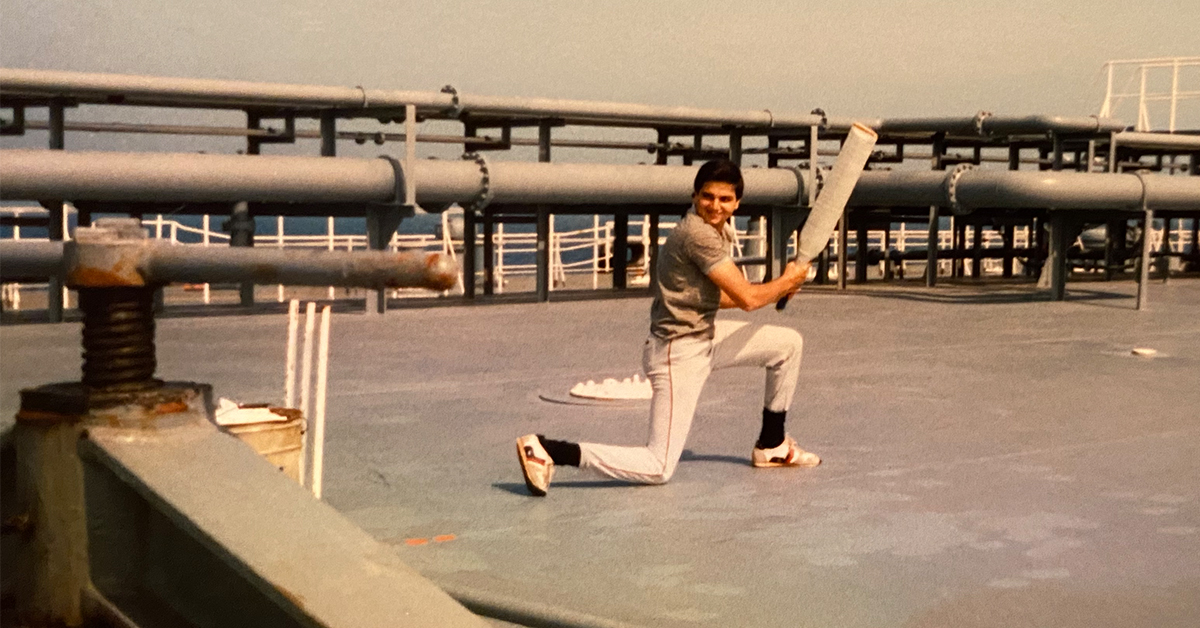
[535, 464]
[787, 454]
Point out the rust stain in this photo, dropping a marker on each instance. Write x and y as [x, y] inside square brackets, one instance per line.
[49, 417]
[415, 542]
[20, 524]
[264, 273]
[291, 413]
[438, 272]
[442, 538]
[170, 407]
[123, 273]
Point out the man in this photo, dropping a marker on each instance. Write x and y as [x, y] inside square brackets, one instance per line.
[696, 277]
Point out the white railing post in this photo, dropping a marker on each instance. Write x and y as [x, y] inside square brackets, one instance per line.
[499, 266]
[329, 233]
[318, 470]
[205, 237]
[595, 251]
[310, 319]
[279, 239]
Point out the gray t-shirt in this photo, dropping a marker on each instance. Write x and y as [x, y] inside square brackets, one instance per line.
[685, 299]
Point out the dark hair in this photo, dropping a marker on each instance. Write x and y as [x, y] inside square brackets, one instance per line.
[723, 171]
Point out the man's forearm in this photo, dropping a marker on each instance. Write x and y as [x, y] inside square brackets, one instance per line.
[758, 295]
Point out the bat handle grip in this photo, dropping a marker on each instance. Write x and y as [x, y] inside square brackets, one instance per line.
[783, 301]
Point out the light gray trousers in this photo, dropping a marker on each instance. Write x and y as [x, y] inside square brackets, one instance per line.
[677, 370]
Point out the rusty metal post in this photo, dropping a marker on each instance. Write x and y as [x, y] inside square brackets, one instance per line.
[49, 476]
[118, 371]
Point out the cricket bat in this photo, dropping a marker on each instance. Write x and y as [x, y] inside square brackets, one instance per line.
[827, 209]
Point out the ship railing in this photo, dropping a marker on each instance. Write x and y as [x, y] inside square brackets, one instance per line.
[578, 252]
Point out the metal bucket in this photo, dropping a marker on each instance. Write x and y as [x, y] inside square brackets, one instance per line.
[280, 442]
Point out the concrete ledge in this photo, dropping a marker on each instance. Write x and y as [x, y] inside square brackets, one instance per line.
[298, 554]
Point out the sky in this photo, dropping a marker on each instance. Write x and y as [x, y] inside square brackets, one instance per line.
[849, 57]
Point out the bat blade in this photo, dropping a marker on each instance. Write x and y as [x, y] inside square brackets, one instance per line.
[827, 209]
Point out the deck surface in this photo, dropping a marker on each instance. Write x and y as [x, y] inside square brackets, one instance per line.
[991, 458]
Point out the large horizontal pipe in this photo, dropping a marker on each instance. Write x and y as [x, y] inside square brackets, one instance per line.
[185, 92]
[23, 259]
[365, 269]
[171, 177]
[150, 262]
[1047, 189]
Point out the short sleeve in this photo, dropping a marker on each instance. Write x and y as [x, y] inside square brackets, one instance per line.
[706, 248]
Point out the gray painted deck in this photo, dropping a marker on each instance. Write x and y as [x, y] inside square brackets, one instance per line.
[991, 459]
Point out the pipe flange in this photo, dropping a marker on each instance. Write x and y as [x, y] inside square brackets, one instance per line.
[455, 105]
[484, 198]
[399, 189]
[979, 121]
[802, 195]
[952, 188]
[1141, 175]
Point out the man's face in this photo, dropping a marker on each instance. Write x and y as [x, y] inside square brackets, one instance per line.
[715, 202]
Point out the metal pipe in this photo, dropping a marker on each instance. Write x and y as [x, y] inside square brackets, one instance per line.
[998, 125]
[25, 259]
[116, 253]
[1047, 189]
[358, 136]
[1157, 141]
[183, 92]
[166, 177]
[35, 174]
[1075, 190]
[365, 269]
